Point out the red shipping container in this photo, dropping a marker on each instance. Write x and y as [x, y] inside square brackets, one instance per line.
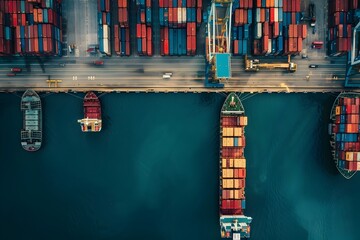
[193, 44]
[166, 47]
[149, 33]
[188, 44]
[198, 15]
[142, 16]
[148, 3]
[199, 3]
[237, 17]
[117, 45]
[166, 33]
[143, 31]
[262, 15]
[276, 30]
[143, 45]
[15, 21]
[258, 3]
[272, 15]
[265, 28]
[149, 48]
[340, 30]
[40, 15]
[299, 45]
[138, 30]
[170, 17]
[236, 46]
[265, 44]
[349, 30]
[161, 3]
[166, 3]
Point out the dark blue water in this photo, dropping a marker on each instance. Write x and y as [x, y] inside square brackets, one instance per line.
[152, 173]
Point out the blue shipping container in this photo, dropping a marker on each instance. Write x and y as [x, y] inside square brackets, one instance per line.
[183, 4]
[234, 33]
[257, 14]
[100, 18]
[161, 16]
[235, 141]
[249, 13]
[280, 4]
[280, 15]
[148, 15]
[171, 41]
[22, 7]
[108, 19]
[243, 204]
[41, 48]
[246, 31]
[240, 46]
[245, 48]
[139, 45]
[267, 14]
[8, 34]
[40, 31]
[240, 32]
[175, 3]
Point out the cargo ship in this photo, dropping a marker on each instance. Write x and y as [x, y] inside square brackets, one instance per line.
[233, 223]
[344, 132]
[92, 114]
[31, 133]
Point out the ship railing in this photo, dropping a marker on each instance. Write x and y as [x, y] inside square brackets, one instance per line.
[31, 135]
[232, 112]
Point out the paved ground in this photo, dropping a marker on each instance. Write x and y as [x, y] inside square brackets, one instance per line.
[143, 73]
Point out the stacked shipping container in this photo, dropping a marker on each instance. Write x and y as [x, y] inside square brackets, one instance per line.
[104, 21]
[347, 133]
[233, 165]
[242, 16]
[144, 28]
[340, 28]
[121, 29]
[276, 27]
[178, 22]
[30, 27]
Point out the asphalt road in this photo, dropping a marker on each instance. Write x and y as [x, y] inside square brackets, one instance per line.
[146, 73]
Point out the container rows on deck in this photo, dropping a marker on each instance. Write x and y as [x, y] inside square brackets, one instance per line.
[233, 165]
[30, 27]
[346, 133]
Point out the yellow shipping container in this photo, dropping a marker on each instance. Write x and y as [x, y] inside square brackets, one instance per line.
[236, 194]
[224, 142]
[231, 194]
[230, 142]
[349, 156]
[231, 163]
[337, 110]
[223, 163]
[231, 132]
[237, 132]
[236, 183]
[242, 163]
[236, 162]
[231, 173]
[230, 183]
[245, 120]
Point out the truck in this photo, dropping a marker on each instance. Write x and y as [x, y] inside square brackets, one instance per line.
[254, 65]
[312, 14]
[16, 70]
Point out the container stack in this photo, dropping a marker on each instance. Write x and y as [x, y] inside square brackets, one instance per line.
[346, 130]
[31, 28]
[340, 29]
[276, 27]
[243, 17]
[121, 29]
[268, 26]
[144, 28]
[178, 22]
[294, 33]
[104, 18]
[233, 165]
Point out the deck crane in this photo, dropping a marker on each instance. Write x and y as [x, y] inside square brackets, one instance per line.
[218, 42]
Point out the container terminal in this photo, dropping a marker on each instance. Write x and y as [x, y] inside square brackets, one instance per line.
[208, 46]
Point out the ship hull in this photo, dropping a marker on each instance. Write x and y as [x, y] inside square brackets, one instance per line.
[31, 132]
[344, 132]
[92, 121]
[232, 169]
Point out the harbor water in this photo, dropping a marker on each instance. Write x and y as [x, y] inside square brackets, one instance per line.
[152, 172]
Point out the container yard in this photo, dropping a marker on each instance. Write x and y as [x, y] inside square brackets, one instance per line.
[344, 131]
[30, 28]
[234, 224]
[341, 23]
[144, 30]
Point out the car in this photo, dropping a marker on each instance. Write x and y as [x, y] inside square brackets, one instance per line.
[313, 66]
[304, 56]
[165, 76]
[11, 74]
[168, 73]
[314, 30]
[62, 64]
[98, 63]
[16, 70]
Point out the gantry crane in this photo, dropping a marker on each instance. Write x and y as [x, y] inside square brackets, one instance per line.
[254, 65]
[353, 57]
[218, 30]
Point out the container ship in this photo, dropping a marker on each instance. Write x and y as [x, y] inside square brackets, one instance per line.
[31, 133]
[233, 223]
[344, 132]
[92, 114]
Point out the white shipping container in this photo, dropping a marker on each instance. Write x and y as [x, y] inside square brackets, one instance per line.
[358, 156]
[276, 3]
[276, 14]
[179, 15]
[258, 30]
[106, 43]
[257, 14]
[269, 46]
[183, 15]
[106, 30]
[280, 3]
